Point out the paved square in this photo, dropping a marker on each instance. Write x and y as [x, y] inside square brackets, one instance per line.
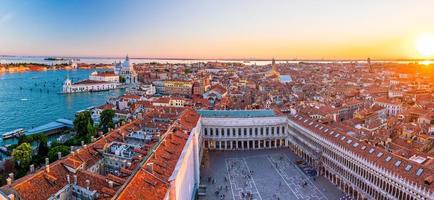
[260, 175]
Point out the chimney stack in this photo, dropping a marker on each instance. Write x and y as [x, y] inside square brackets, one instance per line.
[75, 179]
[59, 155]
[128, 164]
[9, 181]
[11, 176]
[110, 184]
[82, 143]
[47, 165]
[150, 167]
[32, 168]
[68, 178]
[87, 184]
[11, 196]
[92, 138]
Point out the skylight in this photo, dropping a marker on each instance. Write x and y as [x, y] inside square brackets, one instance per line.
[371, 150]
[380, 154]
[364, 147]
[355, 144]
[388, 158]
[349, 141]
[343, 138]
[419, 172]
[397, 163]
[407, 168]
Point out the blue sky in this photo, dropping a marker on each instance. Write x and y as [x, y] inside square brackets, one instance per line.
[214, 29]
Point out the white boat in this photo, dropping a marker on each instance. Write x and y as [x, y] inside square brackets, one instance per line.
[14, 133]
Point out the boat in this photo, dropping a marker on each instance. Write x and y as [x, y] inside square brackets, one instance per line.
[54, 59]
[12, 134]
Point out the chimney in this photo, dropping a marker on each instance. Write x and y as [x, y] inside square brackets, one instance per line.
[75, 179]
[9, 181]
[92, 138]
[11, 176]
[59, 155]
[150, 167]
[82, 143]
[128, 164]
[85, 145]
[68, 178]
[47, 165]
[87, 184]
[110, 184]
[32, 168]
[11, 196]
[72, 148]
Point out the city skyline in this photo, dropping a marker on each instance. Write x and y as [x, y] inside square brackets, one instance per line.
[219, 30]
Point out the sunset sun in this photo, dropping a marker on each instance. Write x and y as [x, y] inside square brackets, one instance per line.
[425, 45]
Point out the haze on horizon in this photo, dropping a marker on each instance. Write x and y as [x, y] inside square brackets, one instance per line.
[243, 29]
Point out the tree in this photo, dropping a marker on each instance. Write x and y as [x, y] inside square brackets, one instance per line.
[121, 79]
[22, 154]
[43, 146]
[81, 121]
[52, 154]
[91, 131]
[107, 120]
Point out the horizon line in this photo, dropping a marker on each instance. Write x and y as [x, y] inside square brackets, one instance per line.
[230, 59]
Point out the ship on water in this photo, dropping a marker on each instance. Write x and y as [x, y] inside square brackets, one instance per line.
[13, 134]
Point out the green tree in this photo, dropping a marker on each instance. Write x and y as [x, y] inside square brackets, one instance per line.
[22, 154]
[121, 79]
[43, 146]
[91, 131]
[107, 120]
[81, 121]
[52, 154]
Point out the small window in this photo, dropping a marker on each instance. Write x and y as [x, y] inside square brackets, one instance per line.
[343, 138]
[337, 135]
[305, 120]
[320, 128]
[419, 172]
[407, 168]
[388, 158]
[316, 125]
[332, 132]
[310, 123]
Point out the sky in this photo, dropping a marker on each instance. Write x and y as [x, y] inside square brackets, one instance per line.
[243, 29]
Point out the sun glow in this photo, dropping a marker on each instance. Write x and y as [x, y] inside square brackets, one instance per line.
[425, 45]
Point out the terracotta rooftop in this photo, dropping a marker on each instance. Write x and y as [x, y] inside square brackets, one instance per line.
[151, 181]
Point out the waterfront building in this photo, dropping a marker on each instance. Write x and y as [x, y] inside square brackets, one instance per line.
[107, 76]
[126, 70]
[87, 86]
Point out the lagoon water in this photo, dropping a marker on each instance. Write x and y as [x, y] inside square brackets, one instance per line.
[25, 102]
